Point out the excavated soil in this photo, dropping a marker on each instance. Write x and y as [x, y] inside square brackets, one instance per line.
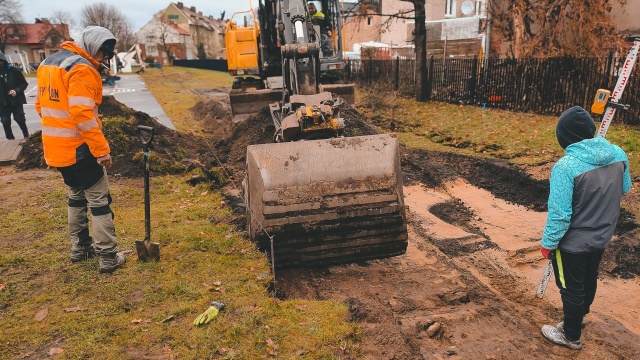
[465, 289]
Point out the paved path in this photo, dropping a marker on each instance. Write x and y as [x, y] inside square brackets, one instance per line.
[129, 90]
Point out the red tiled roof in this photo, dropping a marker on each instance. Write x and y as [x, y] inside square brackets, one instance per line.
[36, 33]
[177, 28]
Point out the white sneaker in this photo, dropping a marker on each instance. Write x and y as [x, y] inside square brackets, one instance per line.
[556, 336]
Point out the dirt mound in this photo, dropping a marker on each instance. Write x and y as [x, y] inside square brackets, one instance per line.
[206, 109]
[232, 150]
[215, 116]
[171, 152]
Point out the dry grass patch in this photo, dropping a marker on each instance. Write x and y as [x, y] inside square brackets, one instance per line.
[178, 90]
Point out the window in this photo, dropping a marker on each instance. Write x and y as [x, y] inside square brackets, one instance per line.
[369, 21]
[450, 9]
[173, 17]
[151, 38]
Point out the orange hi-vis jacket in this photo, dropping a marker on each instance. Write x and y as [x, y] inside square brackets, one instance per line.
[69, 93]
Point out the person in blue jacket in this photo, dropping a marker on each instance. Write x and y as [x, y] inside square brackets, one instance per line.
[586, 186]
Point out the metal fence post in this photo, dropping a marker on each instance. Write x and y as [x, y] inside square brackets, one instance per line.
[397, 75]
[474, 80]
[430, 78]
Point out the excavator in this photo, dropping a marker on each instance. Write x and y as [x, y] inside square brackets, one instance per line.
[131, 59]
[313, 196]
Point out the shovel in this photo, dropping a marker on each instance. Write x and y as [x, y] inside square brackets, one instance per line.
[146, 249]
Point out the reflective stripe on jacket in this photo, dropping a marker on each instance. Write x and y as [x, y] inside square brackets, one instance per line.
[69, 93]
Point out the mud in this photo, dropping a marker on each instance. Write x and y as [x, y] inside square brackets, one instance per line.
[465, 287]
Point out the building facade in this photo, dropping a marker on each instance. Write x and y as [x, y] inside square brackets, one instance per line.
[455, 28]
[201, 36]
[163, 41]
[33, 42]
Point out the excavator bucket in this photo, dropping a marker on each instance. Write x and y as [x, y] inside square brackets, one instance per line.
[326, 202]
[344, 91]
[251, 101]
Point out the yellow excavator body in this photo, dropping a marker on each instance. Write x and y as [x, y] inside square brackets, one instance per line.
[242, 49]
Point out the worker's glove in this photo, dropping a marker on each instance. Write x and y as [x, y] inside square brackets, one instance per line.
[548, 254]
[209, 314]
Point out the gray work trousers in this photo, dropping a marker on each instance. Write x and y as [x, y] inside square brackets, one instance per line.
[97, 199]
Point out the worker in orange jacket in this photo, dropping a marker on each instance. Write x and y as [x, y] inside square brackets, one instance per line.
[69, 93]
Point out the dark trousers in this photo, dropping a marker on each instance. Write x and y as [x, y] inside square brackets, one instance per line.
[18, 115]
[577, 278]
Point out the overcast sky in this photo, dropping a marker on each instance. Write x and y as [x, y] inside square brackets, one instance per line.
[138, 11]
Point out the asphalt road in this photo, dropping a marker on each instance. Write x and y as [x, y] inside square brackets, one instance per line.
[129, 90]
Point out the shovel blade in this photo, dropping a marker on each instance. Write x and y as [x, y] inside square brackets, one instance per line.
[153, 251]
[141, 249]
[147, 251]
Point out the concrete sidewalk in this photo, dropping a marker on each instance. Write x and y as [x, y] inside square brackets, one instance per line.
[129, 90]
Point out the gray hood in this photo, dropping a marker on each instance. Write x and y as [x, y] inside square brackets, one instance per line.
[92, 38]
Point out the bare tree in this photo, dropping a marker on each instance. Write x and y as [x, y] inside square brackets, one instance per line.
[10, 20]
[366, 8]
[108, 16]
[548, 28]
[420, 42]
[63, 17]
[167, 35]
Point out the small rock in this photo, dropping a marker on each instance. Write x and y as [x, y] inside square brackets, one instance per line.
[451, 351]
[424, 325]
[434, 330]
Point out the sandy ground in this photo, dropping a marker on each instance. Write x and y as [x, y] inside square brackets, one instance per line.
[482, 300]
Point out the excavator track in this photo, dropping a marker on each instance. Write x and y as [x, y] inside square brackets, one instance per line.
[326, 202]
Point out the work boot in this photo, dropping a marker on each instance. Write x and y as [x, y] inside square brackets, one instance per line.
[82, 253]
[110, 262]
[556, 336]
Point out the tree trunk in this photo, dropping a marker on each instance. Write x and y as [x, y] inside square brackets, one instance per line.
[420, 38]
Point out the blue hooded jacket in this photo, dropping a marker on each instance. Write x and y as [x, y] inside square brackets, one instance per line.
[586, 186]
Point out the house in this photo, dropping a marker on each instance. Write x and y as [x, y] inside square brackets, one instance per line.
[33, 41]
[360, 25]
[163, 40]
[455, 28]
[201, 36]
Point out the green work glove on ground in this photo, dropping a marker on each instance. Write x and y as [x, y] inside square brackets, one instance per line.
[209, 314]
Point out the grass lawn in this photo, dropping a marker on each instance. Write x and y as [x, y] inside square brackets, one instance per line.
[521, 138]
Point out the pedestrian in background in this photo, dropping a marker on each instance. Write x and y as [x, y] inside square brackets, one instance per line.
[69, 93]
[12, 87]
[586, 186]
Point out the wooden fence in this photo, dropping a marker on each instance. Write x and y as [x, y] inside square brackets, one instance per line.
[544, 86]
